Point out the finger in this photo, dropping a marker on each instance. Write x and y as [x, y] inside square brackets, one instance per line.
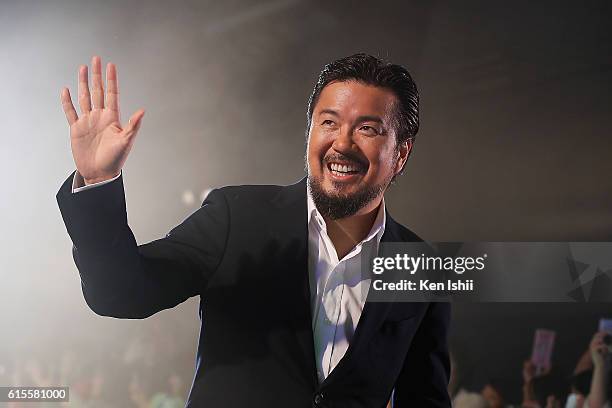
[112, 89]
[97, 91]
[84, 97]
[68, 107]
[598, 337]
[134, 123]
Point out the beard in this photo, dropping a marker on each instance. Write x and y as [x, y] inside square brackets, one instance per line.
[341, 205]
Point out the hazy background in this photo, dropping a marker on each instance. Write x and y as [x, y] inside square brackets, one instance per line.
[515, 140]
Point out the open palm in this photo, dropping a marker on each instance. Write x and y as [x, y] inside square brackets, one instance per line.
[100, 144]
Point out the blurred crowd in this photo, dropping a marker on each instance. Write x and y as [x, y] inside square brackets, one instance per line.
[588, 386]
[152, 369]
[149, 370]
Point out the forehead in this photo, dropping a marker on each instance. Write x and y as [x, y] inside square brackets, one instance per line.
[353, 98]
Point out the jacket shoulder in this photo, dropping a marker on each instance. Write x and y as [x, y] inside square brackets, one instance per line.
[401, 233]
[256, 193]
[409, 235]
[249, 191]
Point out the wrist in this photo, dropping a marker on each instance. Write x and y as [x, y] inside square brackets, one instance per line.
[89, 181]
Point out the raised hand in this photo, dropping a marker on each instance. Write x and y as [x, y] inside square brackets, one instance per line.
[529, 371]
[100, 143]
[598, 348]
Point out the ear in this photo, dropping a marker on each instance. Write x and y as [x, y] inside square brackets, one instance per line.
[404, 150]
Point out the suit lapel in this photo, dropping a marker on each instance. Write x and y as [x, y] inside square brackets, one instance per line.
[291, 222]
[291, 226]
[372, 316]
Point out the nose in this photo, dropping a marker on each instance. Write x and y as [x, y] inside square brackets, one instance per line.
[343, 141]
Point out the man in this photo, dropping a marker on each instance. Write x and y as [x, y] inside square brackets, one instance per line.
[277, 267]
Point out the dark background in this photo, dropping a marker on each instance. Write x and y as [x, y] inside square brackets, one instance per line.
[515, 140]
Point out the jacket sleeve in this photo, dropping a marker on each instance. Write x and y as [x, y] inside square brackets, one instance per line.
[122, 279]
[423, 380]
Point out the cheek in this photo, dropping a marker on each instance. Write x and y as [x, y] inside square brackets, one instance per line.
[313, 155]
[318, 145]
[381, 158]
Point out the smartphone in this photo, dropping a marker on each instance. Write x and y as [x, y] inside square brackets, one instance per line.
[605, 325]
[541, 354]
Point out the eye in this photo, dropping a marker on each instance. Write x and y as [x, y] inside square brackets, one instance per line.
[327, 122]
[369, 130]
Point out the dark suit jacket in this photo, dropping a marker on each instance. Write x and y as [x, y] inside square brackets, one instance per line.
[245, 252]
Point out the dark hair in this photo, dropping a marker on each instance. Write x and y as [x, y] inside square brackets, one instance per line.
[582, 381]
[374, 71]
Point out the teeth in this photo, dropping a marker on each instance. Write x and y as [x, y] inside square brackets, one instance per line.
[343, 168]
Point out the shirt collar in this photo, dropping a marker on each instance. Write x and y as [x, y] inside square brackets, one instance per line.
[378, 227]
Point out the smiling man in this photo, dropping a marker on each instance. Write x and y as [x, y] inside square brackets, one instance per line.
[285, 322]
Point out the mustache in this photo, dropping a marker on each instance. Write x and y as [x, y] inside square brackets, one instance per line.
[344, 158]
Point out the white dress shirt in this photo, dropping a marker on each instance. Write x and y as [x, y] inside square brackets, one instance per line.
[337, 287]
[78, 180]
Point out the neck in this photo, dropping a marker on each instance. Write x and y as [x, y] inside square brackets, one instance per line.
[346, 233]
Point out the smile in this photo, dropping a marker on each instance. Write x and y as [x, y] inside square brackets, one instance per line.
[344, 171]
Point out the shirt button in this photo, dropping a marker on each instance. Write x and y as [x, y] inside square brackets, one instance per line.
[318, 399]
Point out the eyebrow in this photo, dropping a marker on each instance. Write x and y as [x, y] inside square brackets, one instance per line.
[328, 111]
[367, 118]
[363, 118]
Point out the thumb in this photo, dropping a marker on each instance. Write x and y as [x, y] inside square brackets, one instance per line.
[134, 123]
